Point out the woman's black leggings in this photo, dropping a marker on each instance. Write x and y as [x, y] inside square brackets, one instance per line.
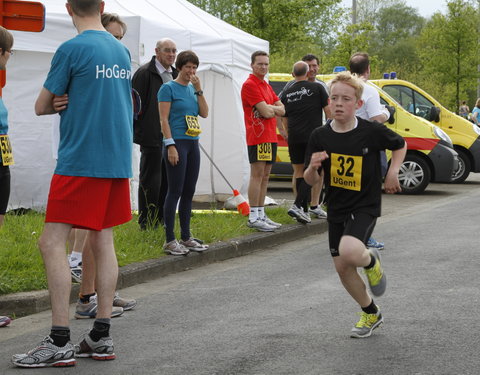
[182, 180]
[4, 188]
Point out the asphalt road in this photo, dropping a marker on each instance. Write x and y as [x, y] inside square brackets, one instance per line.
[283, 310]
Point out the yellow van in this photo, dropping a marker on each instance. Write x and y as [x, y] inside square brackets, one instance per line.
[464, 134]
[430, 154]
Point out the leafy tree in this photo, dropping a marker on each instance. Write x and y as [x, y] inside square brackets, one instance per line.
[448, 50]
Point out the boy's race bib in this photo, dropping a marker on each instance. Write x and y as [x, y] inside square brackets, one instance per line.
[6, 150]
[346, 171]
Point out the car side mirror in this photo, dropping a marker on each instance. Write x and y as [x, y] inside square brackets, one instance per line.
[434, 114]
[391, 109]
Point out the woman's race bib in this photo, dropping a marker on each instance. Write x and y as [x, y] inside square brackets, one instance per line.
[193, 126]
[6, 150]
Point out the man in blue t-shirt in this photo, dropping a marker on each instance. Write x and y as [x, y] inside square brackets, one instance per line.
[90, 187]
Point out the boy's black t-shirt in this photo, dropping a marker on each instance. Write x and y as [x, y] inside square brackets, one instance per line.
[352, 172]
[304, 102]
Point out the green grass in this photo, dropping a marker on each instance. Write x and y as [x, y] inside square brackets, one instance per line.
[21, 266]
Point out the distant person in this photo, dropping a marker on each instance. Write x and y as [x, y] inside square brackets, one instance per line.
[6, 44]
[371, 110]
[153, 185]
[260, 106]
[304, 103]
[463, 110]
[475, 113]
[347, 149]
[90, 187]
[180, 102]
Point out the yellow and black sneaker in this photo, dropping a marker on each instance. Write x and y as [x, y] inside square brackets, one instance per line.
[376, 276]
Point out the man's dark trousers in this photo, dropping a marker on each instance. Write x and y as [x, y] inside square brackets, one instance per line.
[153, 187]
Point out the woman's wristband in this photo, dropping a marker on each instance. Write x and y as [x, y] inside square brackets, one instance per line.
[168, 142]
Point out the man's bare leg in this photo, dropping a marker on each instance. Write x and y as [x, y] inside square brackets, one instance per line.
[52, 247]
[106, 270]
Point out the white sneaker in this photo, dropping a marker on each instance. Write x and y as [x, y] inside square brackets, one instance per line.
[175, 248]
[318, 212]
[271, 222]
[260, 225]
[298, 214]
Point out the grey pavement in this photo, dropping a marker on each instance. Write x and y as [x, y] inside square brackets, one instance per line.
[283, 310]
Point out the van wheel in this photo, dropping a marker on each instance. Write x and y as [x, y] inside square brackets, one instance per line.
[414, 175]
[464, 168]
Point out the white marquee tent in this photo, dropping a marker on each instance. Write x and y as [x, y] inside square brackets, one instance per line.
[224, 52]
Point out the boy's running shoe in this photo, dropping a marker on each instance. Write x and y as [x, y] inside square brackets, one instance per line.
[298, 214]
[374, 244]
[318, 213]
[89, 310]
[260, 225]
[366, 325]
[376, 276]
[46, 354]
[4, 321]
[193, 245]
[125, 303]
[101, 350]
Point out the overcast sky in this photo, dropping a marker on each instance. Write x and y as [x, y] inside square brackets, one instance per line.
[425, 7]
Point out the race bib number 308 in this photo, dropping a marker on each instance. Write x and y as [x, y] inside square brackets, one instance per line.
[346, 171]
[264, 152]
[6, 150]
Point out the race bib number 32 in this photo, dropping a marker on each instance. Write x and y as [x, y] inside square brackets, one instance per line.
[346, 171]
[264, 152]
[6, 150]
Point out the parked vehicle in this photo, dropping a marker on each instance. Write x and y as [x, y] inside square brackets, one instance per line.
[430, 155]
[464, 134]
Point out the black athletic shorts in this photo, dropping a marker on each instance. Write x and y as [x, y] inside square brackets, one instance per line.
[358, 225]
[297, 152]
[4, 188]
[262, 152]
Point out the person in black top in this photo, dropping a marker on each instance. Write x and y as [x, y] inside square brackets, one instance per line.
[147, 80]
[347, 150]
[304, 103]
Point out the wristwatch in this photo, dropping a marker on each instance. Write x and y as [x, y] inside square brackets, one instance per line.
[199, 92]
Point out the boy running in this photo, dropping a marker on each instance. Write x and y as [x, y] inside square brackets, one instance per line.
[347, 149]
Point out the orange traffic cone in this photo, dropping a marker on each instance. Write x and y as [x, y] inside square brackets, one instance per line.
[242, 205]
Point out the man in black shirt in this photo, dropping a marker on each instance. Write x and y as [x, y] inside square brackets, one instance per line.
[304, 103]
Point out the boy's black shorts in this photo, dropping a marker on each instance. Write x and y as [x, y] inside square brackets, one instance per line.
[359, 225]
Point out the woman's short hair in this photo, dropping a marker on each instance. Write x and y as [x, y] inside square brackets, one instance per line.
[108, 18]
[186, 57]
[6, 40]
[350, 80]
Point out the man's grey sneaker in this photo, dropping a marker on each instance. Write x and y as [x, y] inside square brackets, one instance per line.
[4, 321]
[76, 273]
[299, 215]
[376, 276]
[101, 350]
[74, 261]
[271, 222]
[175, 248]
[194, 245]
[46, 354]
[89, 310]
[366, 325]
[125, 303]
[260, 225]
[318, 213]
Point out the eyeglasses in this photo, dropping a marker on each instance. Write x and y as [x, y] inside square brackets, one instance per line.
[170, 50]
